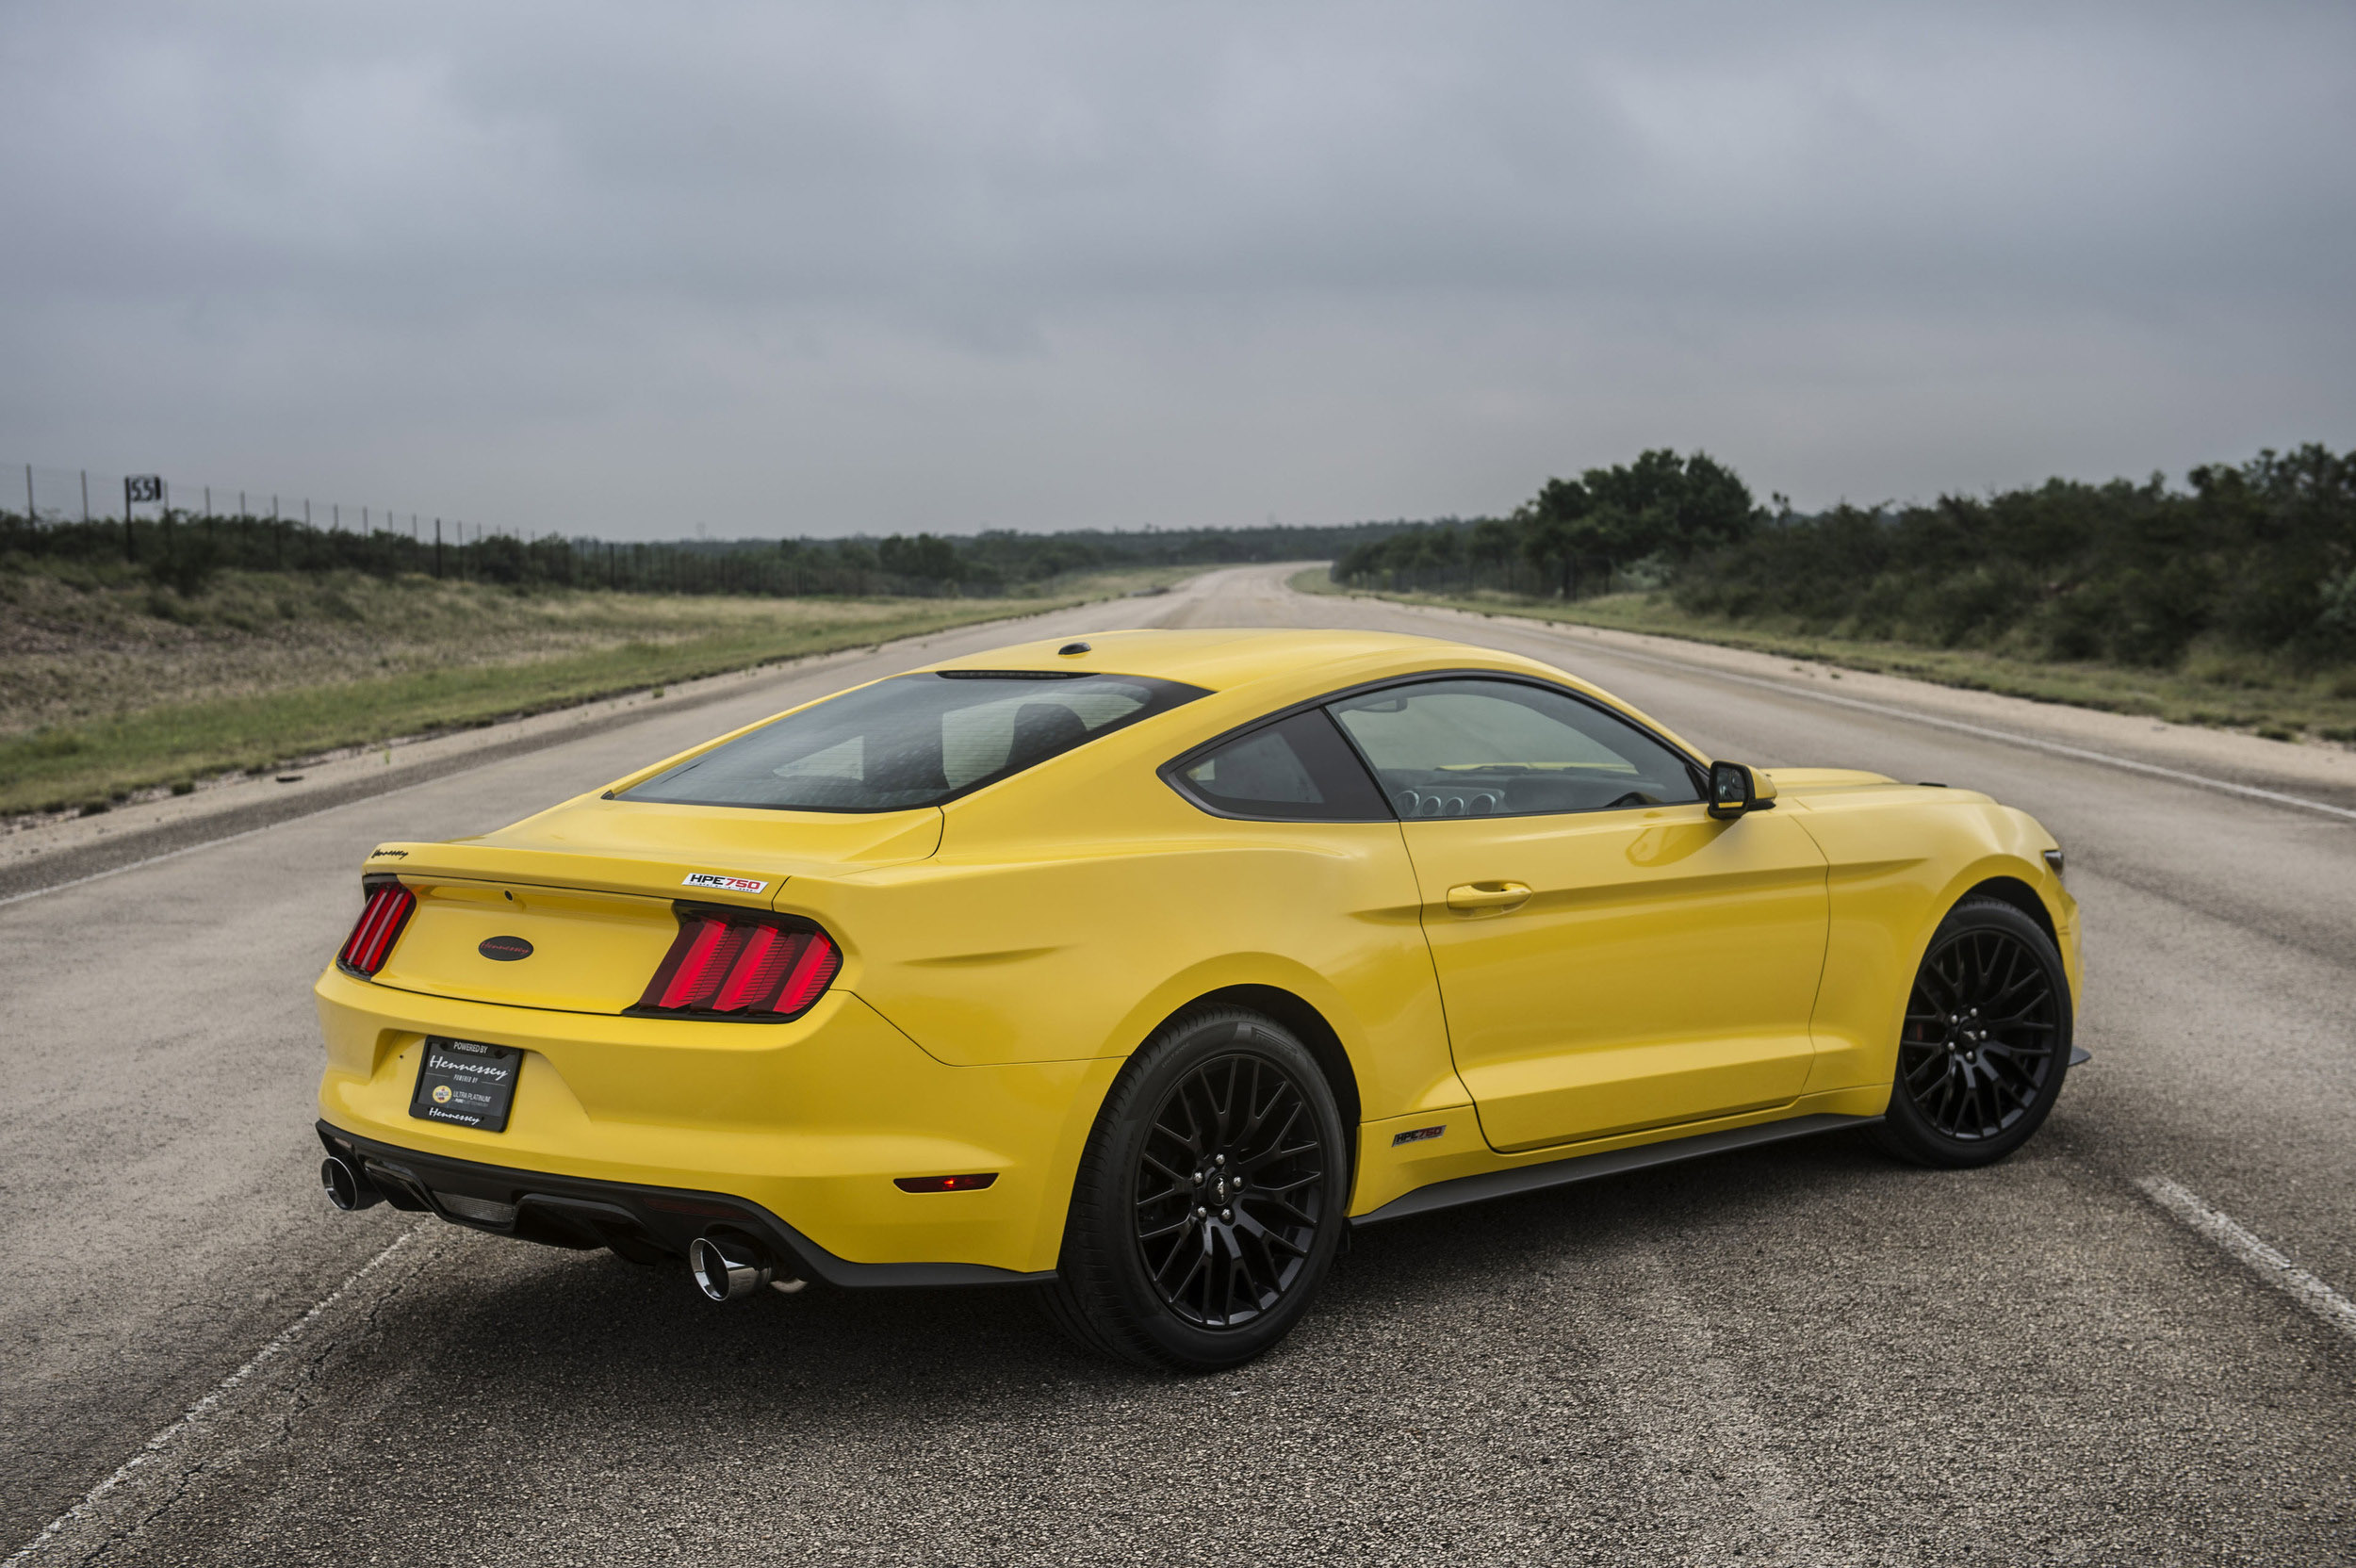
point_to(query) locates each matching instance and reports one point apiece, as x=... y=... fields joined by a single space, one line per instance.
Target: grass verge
x=2279 y=703
x=243 y=694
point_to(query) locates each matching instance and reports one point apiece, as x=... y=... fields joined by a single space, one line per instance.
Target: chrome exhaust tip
x=726 y=1269
x=346 y=1187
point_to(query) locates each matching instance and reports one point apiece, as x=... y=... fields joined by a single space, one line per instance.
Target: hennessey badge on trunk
x=505 y=949
x=713 y=880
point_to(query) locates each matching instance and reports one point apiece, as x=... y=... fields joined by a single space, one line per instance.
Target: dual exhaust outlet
x=347 y=1188
x=729 y=1268
x=725 y=1267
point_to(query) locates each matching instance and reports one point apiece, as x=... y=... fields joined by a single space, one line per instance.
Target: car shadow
x=547 y=1316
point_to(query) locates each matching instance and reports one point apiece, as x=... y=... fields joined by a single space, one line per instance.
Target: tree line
x=182 y=550
x=2259 y=556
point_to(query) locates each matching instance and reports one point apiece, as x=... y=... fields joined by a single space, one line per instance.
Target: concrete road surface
x=1802 y=1354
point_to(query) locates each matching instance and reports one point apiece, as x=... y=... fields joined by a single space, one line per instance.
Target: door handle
x=1487 y=898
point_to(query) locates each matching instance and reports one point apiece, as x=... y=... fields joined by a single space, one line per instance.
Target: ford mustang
x=1137 y=970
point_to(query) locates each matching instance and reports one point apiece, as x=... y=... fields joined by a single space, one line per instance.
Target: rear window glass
x=916 y=740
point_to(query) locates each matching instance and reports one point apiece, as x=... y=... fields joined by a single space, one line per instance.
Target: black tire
x=1986 y=1041
x=1162 y=1265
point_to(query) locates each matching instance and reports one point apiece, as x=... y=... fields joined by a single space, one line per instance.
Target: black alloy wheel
x=1985 y=1042
x=1210 y=1201
x=1229 y=1191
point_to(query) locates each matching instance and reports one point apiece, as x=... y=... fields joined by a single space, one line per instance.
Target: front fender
x=1899 y=862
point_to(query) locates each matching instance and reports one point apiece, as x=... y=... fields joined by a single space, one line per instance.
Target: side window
x=1474 y=747
x=1298 y=769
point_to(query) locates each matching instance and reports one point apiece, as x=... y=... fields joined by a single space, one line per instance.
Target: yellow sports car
x=1136 y=968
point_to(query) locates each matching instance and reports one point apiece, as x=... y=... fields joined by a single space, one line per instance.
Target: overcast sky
x=875 y=267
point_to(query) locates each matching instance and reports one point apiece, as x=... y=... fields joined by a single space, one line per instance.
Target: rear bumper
x=572 y=1211
x=805 y=1125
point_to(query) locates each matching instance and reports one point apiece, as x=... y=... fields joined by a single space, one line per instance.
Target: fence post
x=29 y=513
x=437 y=545
x=130 y=543
x=85 y=495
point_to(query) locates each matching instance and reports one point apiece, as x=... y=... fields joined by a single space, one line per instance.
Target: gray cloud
x=880 y=267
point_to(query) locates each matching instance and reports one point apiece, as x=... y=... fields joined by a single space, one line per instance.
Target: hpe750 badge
x=730 y=884
x=467 y=1084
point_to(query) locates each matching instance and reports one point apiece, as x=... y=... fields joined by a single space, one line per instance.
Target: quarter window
x=1298 y=769
x=1474 y=747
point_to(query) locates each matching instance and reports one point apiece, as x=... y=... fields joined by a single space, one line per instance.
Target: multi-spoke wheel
x=1210 y=1201
x=1230 y=1185
x=1986 y=1040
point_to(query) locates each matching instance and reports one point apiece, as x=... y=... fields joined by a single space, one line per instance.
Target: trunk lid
x=573 y=910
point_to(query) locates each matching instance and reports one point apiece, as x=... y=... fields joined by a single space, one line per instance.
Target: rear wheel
x=1210 y=1201
x=1986 y=1041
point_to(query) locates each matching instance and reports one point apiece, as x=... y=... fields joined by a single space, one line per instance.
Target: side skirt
x=1586 y=1168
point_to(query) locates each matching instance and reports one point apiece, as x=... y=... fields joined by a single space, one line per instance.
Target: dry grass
x=109 y=687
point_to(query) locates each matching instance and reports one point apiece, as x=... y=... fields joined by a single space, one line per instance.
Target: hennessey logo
x=505 y=949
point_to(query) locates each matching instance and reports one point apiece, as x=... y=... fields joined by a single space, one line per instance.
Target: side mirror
x=1735 y=788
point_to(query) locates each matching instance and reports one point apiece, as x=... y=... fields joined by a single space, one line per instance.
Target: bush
x=2262 y=556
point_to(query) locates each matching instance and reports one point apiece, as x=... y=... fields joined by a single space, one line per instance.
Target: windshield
x=916 y=740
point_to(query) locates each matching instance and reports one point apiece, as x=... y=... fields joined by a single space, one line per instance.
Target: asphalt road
x=1802 y=1354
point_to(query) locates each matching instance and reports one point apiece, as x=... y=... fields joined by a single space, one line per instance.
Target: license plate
x=465 y=1082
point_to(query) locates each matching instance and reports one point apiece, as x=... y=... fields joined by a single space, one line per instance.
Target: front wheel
x=1986 y=1041
x=1210 y=1201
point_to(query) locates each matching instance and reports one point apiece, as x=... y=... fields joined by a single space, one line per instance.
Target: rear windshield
x=916 y=740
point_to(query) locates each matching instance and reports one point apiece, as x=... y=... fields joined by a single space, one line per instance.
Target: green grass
x=78 y=689
x=2212 y=688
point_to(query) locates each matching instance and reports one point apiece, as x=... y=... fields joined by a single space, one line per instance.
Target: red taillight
x=379 y=926
x=742 y=966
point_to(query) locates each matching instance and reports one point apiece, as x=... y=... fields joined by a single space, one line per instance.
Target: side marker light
x=945 y=1184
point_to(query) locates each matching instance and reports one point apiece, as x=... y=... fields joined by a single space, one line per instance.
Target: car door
x=1611 y=957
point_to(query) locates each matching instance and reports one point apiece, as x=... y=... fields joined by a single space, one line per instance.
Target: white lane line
x=2269 y=1265
x=2058 y=748
x=284 y=1339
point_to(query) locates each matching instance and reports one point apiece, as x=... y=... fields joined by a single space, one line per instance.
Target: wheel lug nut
x=1226 y=1213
